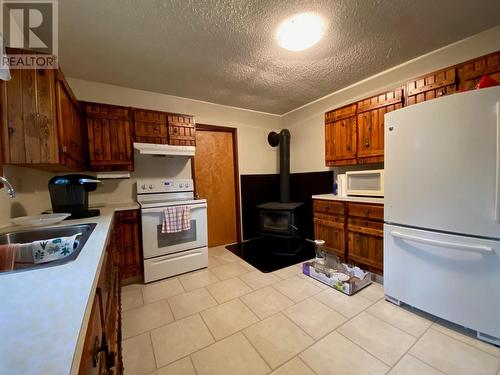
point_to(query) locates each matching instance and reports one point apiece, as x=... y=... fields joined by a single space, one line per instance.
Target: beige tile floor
x=233 y=319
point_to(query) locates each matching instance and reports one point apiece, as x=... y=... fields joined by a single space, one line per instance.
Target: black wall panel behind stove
x=262 y=188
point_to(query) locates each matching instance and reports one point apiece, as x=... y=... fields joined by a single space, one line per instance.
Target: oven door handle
x=160 y=209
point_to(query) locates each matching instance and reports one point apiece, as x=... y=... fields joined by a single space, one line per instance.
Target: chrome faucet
x=8 y=186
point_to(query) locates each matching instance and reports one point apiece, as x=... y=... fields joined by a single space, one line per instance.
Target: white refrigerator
x=442 y=209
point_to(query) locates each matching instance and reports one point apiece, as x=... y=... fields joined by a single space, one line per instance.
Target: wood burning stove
x=280 y=219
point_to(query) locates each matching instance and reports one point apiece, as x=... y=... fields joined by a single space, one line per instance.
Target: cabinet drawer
x=366 y=211
x=365 y=226
x=328 y=207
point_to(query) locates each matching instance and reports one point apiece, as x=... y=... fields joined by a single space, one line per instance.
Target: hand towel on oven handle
x=176 y=219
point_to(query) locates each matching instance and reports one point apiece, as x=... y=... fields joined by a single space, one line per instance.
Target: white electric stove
x=169 y=254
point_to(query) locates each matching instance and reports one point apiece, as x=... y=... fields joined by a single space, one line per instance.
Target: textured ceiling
x=225 y=52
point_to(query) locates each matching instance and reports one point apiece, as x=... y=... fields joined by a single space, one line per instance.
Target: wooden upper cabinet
x=41 y=122
x=341 y=136
x=29 y=124
x=181 y=130
x=431 y=86
x=150 y=126
x=71 y=128
x=470 y=72
x=109 y=130
x=370 y=119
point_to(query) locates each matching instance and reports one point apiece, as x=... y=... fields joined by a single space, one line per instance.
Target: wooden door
x=371 y=113
x=331 y=230
x=433 y=85
x=72 y=134
x=340 y=136
x=110 y=137
x=181 y=130
x=216 y=180
x=150 y=126
x=329 y=225
x=470 y=72
x=365 y=243
x=127 y=243
x=90 y=363
x=28 y=117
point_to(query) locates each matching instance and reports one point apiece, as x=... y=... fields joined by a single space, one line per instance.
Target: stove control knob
x=143 y=187
x=150 y=187
x=181 y=185
x=187 y=185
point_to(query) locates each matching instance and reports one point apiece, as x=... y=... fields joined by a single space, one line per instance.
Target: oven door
x=155 y=243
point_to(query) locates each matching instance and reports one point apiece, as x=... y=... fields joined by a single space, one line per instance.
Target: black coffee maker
x=69 y=194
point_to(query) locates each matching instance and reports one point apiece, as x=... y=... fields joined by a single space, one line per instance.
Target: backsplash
x=32 y=195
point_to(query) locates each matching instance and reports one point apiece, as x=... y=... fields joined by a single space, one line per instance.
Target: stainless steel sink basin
x=39 y=234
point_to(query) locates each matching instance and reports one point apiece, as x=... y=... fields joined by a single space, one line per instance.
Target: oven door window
x=155 y=243
x=170 y=239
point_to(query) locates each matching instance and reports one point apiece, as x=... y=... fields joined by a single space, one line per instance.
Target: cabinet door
x=90 y=364
x=340 y=136
x=128 y=245
x=434 y=85
x=28 y=118
x=331 y=229
x=72 y=135
x=470 y=73
x=371 y=113
x=181 y=130
x=365 y=243
x=150 y=126
x=110 y=137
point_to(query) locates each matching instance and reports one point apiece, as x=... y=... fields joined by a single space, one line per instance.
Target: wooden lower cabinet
x=353 y=231
x=365 y=243
x=90 y=363
x=128 y=243
x=102 y=346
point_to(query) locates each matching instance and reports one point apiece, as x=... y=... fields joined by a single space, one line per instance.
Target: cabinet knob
x=367 y=212
x=349 y=147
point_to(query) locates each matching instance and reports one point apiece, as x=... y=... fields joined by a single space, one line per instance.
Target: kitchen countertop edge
x=331 y=197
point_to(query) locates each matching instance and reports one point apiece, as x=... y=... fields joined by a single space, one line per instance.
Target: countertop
x=332 y=197
x=44 y=313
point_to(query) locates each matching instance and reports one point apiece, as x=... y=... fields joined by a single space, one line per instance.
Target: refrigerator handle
x=452 y=245
x=497 y=177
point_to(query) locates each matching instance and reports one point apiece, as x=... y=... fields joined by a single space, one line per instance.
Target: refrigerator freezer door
x=441 y=164
x=456 y=278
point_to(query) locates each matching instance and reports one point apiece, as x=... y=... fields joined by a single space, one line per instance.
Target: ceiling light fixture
x=301 y=31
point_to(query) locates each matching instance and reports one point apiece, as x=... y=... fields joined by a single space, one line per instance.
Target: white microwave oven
x=365 y=183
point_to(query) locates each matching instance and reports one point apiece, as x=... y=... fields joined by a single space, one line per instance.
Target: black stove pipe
x=283 y=140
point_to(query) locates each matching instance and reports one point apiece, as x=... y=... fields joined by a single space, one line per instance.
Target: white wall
x=306 y=124
x=32 y=195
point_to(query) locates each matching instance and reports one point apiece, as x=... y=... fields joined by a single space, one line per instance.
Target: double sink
x=39 y=234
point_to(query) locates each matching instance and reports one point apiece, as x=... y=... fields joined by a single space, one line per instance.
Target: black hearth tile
x=271 y=254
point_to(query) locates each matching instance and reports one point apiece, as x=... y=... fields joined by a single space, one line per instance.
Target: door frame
x=234 y=133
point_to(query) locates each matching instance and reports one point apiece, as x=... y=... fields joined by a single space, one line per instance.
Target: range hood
x=159 y=149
